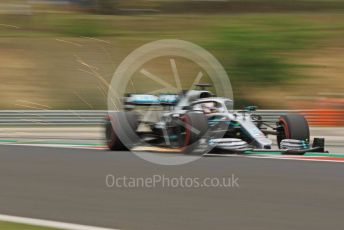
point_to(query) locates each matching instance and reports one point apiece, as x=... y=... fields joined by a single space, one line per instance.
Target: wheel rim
x=283 y=134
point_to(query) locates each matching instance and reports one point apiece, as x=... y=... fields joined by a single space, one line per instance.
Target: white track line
x=48 y=223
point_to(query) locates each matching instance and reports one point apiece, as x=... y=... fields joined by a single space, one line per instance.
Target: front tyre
x=120 y=130
x=195 y=126
x=292 y=126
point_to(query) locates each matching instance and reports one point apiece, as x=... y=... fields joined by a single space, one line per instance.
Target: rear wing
x=150 y=99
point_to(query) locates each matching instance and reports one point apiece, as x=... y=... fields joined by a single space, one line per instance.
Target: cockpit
x=213 y=106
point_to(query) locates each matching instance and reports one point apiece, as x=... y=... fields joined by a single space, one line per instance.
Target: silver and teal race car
x=198 y=122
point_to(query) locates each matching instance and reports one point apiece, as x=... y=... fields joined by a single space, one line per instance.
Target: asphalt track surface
x=69 y=185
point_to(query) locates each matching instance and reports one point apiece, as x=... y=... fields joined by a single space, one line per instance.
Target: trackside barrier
x=328 y=117
x=51 y=117
x=325 y=117
x=321 y=117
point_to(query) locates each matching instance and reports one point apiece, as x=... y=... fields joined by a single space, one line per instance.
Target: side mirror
x=187 y=107
x=251 y=108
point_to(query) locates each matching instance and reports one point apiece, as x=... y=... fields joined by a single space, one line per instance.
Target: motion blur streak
x=278 y=54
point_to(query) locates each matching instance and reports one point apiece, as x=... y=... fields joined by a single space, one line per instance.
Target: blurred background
x=60 y=54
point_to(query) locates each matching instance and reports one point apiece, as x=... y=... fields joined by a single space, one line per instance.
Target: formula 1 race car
x=196 y=121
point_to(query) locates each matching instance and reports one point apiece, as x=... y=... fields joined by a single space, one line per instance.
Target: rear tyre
x=195 y=126
x=292 y=126
x=120 y=130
